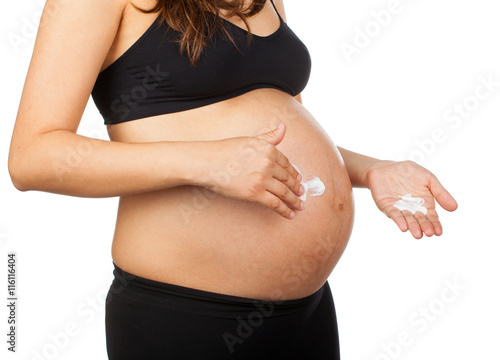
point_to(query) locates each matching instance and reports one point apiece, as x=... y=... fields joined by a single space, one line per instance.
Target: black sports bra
x=152 y=78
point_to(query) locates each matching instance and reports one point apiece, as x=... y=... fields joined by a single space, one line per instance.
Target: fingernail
x=299 y=177
x=302 y=204
x=292 y=215
x=301 y=190
x=280 y=125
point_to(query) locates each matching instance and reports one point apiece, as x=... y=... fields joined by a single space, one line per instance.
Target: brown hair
x=195 y=20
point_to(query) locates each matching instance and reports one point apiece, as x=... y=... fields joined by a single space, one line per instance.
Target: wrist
x=371 y=167
x=191 y=162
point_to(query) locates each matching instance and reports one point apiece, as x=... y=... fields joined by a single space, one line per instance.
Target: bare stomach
x=190 y=236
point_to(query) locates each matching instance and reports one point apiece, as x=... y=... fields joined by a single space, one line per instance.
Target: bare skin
x=208 y=196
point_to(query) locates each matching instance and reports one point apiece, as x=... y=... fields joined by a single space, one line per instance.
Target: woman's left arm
x=388 y=180
x=357 y=166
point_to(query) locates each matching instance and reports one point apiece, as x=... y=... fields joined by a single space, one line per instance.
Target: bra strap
x=274 y=6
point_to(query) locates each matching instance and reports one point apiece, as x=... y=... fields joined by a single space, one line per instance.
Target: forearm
x=66 y=163
x=357 y=166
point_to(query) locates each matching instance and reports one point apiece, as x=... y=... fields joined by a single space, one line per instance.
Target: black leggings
x=151 y=320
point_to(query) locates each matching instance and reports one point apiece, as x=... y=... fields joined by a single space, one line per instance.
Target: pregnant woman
x=216 y=256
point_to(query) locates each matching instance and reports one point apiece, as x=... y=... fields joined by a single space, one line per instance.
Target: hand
x=253 y=169
x=387 y=180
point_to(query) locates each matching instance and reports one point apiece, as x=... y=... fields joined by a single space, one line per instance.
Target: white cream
x=410 y=203
x=313 y=187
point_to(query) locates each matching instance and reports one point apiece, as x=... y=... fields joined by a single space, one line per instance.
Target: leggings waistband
x=148 y=319
x=138 y=287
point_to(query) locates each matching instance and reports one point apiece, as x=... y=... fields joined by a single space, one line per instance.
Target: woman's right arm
x=46 y=154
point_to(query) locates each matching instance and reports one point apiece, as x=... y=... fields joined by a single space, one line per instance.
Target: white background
x=383 y=101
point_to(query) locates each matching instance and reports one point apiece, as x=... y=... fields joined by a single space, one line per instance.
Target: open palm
x=388 y=180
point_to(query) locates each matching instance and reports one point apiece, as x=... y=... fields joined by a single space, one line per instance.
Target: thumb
x=442 y=195
x=274 y=136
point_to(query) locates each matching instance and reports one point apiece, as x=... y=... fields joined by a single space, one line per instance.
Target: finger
x=425 y=224
x=432 y=216
x=284 y=176
x=413 y=224
x=442 y=195
x=283 y=192
x=283 y=161
x=274 y=203
x=398 y=218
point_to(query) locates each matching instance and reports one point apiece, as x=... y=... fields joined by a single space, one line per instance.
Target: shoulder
x=53 y=5
x=281 y=8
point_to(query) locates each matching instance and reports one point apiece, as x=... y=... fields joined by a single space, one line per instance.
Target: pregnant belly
x=193 y=237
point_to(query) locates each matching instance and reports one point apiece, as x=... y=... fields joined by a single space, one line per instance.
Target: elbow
x=19 y=170
x=17 y=175
x=32 y=167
